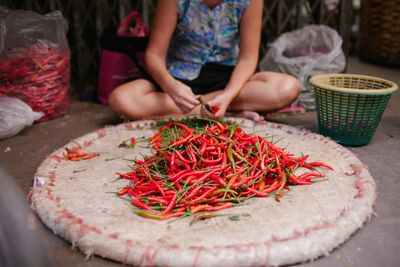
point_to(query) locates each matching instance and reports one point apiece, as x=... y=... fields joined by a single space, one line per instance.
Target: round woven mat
x=76 y=200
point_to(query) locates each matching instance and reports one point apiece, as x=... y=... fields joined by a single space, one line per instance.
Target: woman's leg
x=139 y=99
x=266 y=92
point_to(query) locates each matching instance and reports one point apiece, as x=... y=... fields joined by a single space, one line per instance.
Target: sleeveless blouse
x=204 y=34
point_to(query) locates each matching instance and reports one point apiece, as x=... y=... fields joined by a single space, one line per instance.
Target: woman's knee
x=117 y=99
x=123 y=99
x=286 y=87
x=290 y=88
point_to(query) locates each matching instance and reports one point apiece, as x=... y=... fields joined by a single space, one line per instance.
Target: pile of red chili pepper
x=38 y=75
x=209 y=167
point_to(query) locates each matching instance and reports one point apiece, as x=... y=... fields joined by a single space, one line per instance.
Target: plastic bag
x=122 y=55
x=312 y=50
x=35 y=60
x=15 y=115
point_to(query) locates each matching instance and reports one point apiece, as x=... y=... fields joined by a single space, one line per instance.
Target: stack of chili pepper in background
x=40 y=76
x=210 y=166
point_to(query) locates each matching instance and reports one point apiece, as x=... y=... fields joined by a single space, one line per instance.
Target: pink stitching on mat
x=267 y=244
x=57 y=158
x=128 y=245
x=148 y=256
x=101 y=133
x=113 y=235
x=197 y=257
x=358 y=168
x=87 y=143
x=49 y=192
x=359 y=183
x=254 y=246
x=360 y=188
x=128 y=125
x=85 y=229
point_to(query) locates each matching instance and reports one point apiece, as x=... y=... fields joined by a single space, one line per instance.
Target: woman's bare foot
x=248 y=114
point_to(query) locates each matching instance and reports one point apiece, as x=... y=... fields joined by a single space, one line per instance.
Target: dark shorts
x=212 y=77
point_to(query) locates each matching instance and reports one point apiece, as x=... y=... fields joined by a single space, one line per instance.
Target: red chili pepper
x=170 y=205
x=172 y=215
x=183 y=176
x=124 y=191
x=184 y=140
x=232 y=180
x=194 y=192
x=158 y=186
x=320 y=164
x=226 y=205
x=181 y=157
x=218 y=179
x=74 y=155
x=157 y=199
x=308 y=174
x=155 y=138
x=210 y=161
x=140 y=205
x=203 y=148
x=257 y=192
x=208 y=167
x=296 y=180
x=204 y=195
x=215 y=109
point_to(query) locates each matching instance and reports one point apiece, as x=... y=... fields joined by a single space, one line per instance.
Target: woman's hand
x=183 y=96
x=220 y=103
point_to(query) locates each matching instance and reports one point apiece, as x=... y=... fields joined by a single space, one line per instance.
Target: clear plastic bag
x=35 y=60
x=312 y=50
x=15 y=115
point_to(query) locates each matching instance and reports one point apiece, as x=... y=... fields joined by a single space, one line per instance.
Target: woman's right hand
x=183 y=96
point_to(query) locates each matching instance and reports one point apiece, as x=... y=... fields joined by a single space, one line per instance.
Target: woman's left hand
x=220 y=103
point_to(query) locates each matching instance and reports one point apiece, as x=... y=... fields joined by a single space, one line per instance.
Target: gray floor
x=376 y=244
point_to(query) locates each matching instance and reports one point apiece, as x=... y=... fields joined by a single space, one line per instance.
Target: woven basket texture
x=351 y=114
x=379 y=35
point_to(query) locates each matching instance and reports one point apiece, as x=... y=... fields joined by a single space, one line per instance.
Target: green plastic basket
x=349 y=106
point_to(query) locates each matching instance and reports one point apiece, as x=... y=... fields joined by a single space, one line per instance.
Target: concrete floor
x=376 y=244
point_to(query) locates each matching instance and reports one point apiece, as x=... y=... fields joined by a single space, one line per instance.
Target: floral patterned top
x=204 y=34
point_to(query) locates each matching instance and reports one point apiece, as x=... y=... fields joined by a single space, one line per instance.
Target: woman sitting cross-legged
x=204 y=50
